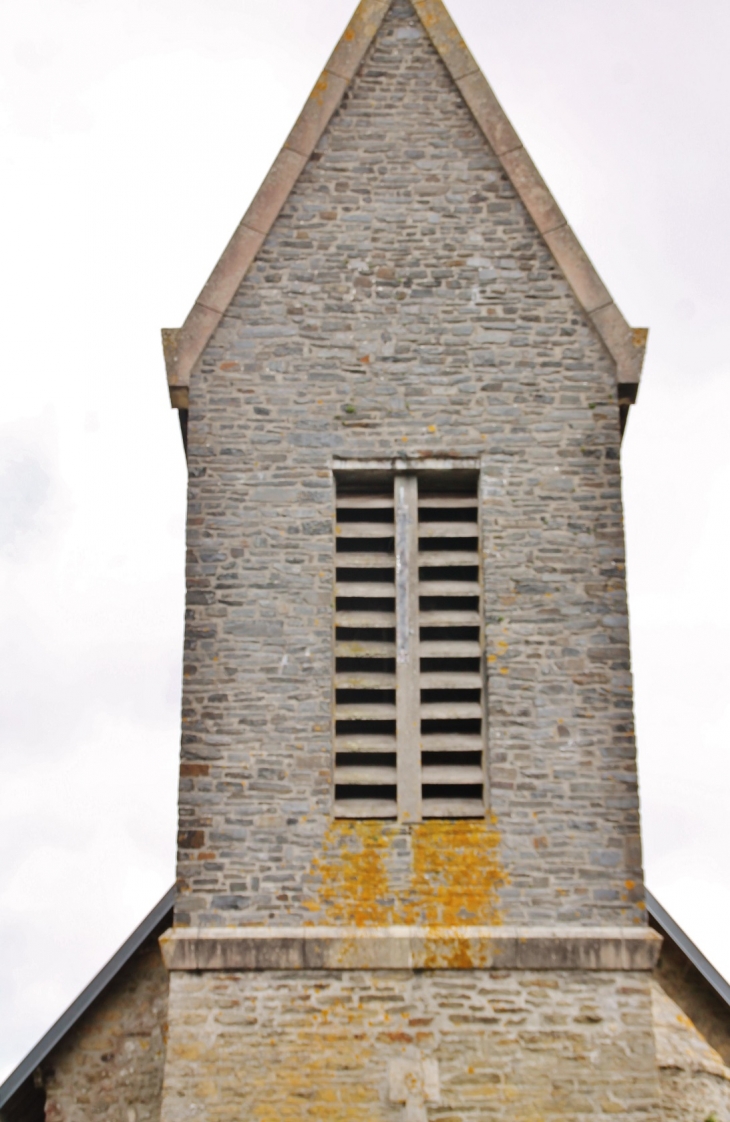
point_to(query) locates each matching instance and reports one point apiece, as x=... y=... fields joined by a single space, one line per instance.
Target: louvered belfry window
x=409 y=645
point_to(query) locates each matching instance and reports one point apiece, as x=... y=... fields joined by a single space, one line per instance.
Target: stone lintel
x=411 y=948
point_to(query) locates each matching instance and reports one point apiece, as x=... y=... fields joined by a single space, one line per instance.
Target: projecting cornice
x=411 y=948
x=183 y=346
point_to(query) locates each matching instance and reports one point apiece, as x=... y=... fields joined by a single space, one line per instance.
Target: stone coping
x=411 y=948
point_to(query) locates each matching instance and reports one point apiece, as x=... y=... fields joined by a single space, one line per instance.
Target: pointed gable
x=184 y=346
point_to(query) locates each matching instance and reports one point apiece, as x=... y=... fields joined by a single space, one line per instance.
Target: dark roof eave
x=688 y=948
x=75 y=1011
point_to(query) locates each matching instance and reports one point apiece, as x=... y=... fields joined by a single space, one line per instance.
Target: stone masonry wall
x=404 y=304
x=693 y=1096
x=693 y=1080
x=492 y=1046
x=110 y=1065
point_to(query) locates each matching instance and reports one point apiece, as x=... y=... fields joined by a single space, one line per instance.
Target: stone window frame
x=400 y=772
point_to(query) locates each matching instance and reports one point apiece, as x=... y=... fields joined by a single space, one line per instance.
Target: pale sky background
x=133 y=134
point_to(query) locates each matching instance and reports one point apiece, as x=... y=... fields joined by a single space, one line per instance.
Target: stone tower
x=410 y=879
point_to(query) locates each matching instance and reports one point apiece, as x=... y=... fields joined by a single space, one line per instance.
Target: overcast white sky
x=133 y=134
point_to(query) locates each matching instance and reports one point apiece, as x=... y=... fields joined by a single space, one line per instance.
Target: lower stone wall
x=693 y=1096
x=694 y=1080
x=110 y=1065
x=366 y=1046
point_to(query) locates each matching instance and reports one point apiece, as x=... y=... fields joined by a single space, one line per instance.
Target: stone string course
x=405 y=304
x=413 y=948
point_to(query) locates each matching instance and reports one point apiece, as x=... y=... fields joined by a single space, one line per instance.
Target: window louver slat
x=446 y=529
x=365 y=619
x=358 y=650
x=456 y=558
x=373 y=590
x=445 y=617
x=364 y=680
x=451 y=711
x=366 y=743
x=454 y=808
x=367 y=775
x=445 y=679
x=450 y=648
x=364 y=808
x=456 y=775
x=362 y=529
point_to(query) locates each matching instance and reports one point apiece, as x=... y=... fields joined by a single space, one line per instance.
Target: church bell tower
x=410 y=878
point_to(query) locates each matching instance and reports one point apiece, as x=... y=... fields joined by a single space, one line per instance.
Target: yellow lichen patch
x=439 y=873
x=320 y=89
x=456 y=873
x=449 y=951
x=354 y=878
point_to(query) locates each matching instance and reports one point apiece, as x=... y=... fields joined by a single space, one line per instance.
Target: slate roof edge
x=688 y=948
x=183 y=346
x=76 y=1010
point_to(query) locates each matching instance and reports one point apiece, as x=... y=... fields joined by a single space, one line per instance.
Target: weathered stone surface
x=446 y=37
x=490 y=1044
x=693 y=1096
x=544 y=211
x=349 y=52
x=404 y=303
x=700 y=1001
x=694 y=1081
x=110 y=1064
x=317 y=111
x=570 y=255
x=235 y=259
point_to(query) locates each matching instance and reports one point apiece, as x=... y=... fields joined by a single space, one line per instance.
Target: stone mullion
x=407 y=655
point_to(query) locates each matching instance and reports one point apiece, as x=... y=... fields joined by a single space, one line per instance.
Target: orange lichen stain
x=456 y=873
x=440 y=873
x=352 y=869
x=451 y=953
